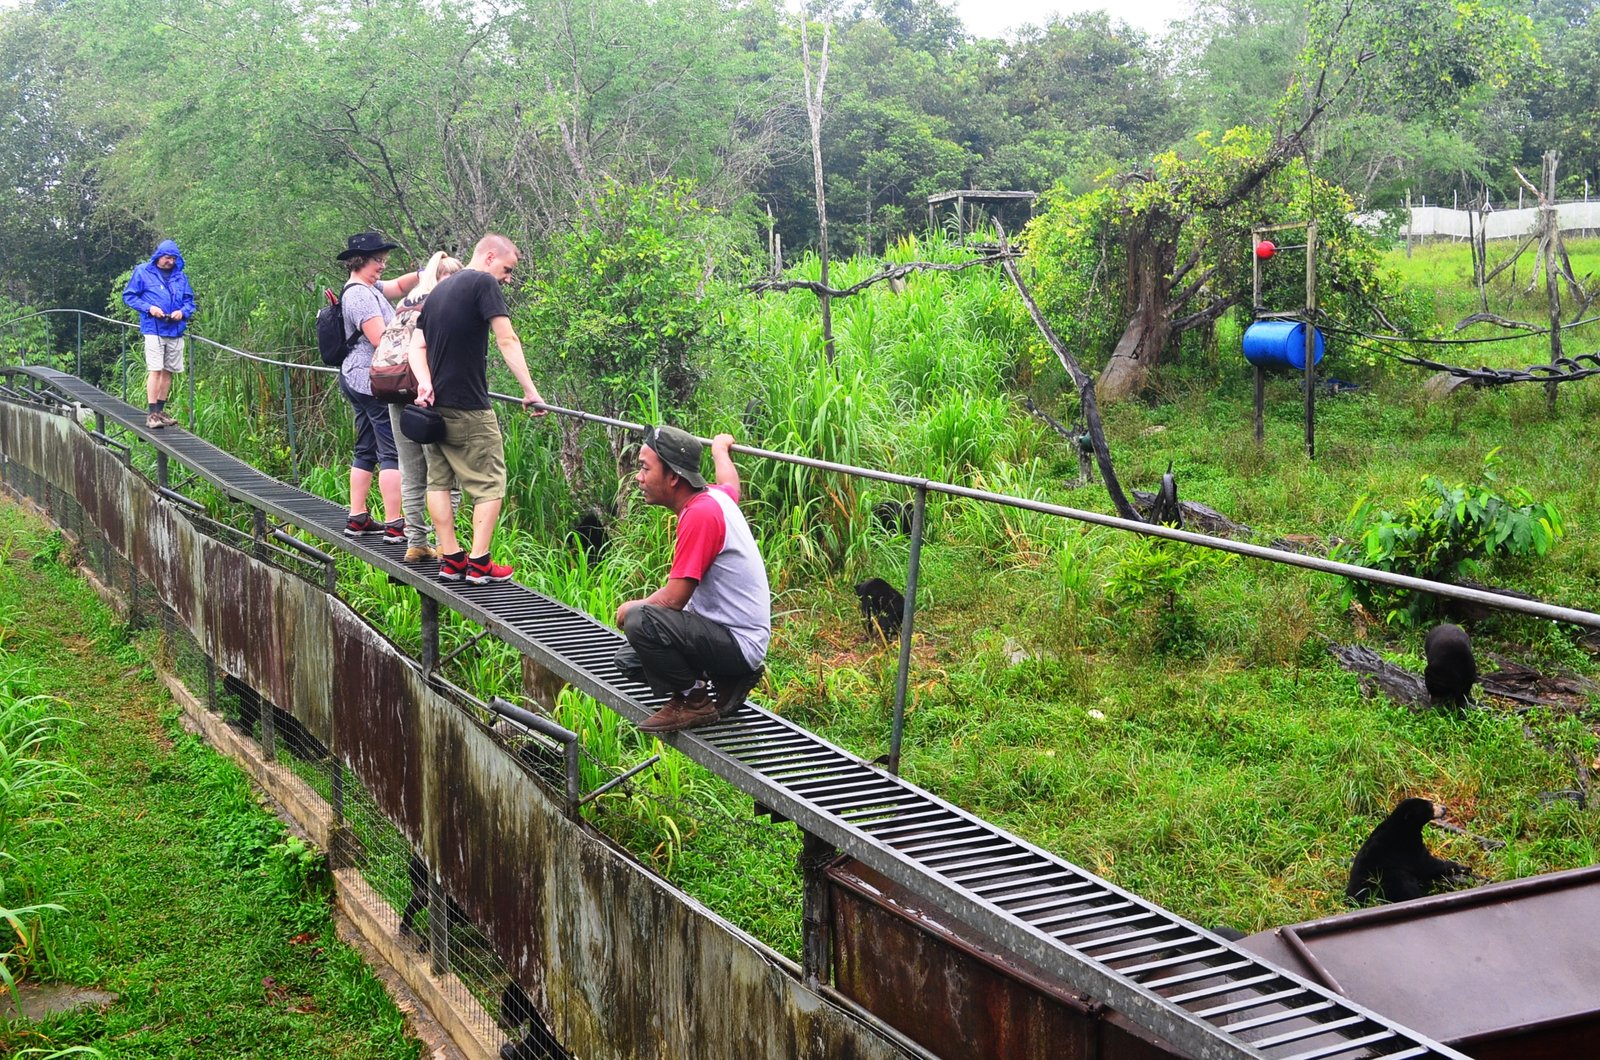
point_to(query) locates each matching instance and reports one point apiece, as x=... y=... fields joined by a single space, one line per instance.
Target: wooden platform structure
x=977 y=197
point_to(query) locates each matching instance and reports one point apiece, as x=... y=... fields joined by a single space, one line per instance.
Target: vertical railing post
x=133 y=594
x=269 y=728
x=430 y=636
x=189 y=372
x=1311 y=341
x=574 y=779
x=211 y=681
x=816 y=918
x=163 y=473
x=907 y=619
x=288 y=415
x=124 y=362
x=79 y=318
x=438 y=926
x=258 y=519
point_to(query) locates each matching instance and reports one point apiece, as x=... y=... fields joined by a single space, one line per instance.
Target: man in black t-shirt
x=450 y=356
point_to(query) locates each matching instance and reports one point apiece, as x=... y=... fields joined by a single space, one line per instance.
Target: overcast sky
x=992 y=18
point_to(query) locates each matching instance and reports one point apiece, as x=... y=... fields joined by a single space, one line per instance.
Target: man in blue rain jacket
x=159 y=291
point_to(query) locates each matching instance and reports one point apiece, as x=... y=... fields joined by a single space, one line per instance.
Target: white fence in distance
x=1443 y=222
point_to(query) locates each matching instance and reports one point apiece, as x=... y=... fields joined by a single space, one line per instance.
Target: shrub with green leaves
x=629 y=291
x=1151 y=579
x=1453 y=531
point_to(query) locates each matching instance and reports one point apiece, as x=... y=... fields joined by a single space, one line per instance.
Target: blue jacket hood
x=168 y=247
x=149 y=286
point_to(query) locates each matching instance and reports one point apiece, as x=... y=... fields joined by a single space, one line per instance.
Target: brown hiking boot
x=682 y=712
x=154 y=420
x=730 y=692
x=420 y=554
x=167 y=419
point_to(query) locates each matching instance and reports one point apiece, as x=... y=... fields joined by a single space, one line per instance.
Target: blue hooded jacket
x=149 y=286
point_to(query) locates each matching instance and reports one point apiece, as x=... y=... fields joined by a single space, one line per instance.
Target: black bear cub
x=1451 y=669
x=882 y=607
x=1393 y=864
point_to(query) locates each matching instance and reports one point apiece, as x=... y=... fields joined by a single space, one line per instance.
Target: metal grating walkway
x=1192 y=988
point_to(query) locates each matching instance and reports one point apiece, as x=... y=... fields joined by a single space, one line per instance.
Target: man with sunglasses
x=702 y=637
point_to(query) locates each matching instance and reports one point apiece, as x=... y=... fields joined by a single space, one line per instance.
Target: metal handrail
x=1535 y=608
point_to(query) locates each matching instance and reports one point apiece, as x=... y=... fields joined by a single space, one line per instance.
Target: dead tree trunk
x=1152 y=253
x=814 y=115
x=1086 y=386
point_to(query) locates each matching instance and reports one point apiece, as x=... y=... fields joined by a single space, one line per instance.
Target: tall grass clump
x=918 y=386
x=32 y=786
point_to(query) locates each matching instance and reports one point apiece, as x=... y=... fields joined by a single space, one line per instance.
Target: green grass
x=180 y=893
x=1441 y=274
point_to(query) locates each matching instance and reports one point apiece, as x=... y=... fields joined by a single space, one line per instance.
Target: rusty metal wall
x=919 y=970
x=624 y=965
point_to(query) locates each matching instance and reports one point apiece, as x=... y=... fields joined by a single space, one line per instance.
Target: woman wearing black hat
x=367 y=312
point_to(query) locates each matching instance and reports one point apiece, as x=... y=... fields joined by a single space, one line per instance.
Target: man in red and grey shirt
x=710 y=623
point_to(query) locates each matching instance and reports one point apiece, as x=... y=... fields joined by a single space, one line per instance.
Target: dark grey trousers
x=671 y=650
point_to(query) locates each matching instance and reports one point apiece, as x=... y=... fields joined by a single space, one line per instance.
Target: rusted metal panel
x=946 y=987
x=378 y=727
x=1507 y=970
x=167 y=551
x=37 y=440
x=304 y=623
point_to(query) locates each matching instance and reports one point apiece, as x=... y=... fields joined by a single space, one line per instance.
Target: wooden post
x=1255 y=306
x=961 y=217
x=1311 y=341
x=1261 y=403
x=1552 y=265
x=1408 y=223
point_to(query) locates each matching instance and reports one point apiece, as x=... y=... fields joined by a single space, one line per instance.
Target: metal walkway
x=1193 y=989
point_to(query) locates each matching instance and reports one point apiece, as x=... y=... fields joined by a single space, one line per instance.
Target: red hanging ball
x=1265 y=249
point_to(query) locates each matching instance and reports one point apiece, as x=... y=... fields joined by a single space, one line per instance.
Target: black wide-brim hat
x=365 y=243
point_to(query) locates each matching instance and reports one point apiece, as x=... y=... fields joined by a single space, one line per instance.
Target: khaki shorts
x=162 y=354
x=474 y=455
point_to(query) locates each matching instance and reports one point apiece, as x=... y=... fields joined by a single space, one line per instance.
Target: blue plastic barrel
x=1279 y=344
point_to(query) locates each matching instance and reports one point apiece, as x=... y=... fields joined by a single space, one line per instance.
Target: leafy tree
x=1162 y=222
x=626 y=303
x=1562 y=104
x=61 y=239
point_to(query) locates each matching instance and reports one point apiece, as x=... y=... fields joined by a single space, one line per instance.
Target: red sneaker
x=453 y=568
x=485 y=570
x=362 y=524
x=395 y=531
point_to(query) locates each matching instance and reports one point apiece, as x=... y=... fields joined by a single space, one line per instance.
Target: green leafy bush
x=629 y=292
x=1151 y=579
x=1455 y=530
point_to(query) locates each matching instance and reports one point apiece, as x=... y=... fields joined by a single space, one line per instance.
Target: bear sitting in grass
x=1393 y=864
x=1452 y=669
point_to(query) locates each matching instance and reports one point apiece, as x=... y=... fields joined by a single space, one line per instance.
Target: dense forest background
x=260 y=133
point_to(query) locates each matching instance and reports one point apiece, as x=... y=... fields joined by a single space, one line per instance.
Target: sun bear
x=1393 y=864
x=1451 y=669
x=882 y=607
